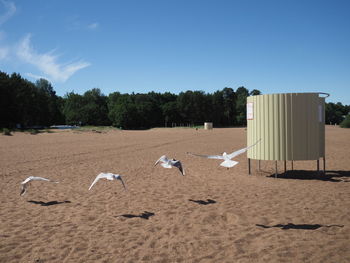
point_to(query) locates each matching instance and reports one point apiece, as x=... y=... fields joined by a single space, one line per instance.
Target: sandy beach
x=212 y=214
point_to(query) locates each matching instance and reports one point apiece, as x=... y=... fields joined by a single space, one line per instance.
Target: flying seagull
x=108 y=176
x=32 y=178
x=227 y=157
x=169 y=163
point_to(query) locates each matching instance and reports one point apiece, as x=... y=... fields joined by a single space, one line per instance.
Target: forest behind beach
x=25 y=104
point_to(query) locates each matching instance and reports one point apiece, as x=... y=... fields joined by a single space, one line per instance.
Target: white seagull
x=227 y=157
x=32 y=178
x=108 y=176
x=169 y=163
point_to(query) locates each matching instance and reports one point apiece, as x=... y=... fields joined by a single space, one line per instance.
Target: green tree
x=346 y=122
x=124 y=112
x=221 y=111
x=170 y=113
x=229 y=97
x=148 y=109
x=72 y=108
x=27 y=104
x=49 y=103
x=111 y=103
x=88 y=109
x=7 y=107
x=169 y=109
x=242 y=93
x=335 y=113
x=95 y=109
x=255 y=92
x=27 y=101
x=193 y=106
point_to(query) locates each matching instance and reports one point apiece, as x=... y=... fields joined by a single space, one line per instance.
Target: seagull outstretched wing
x=24 y=189
x=108 y=176
x=169 y=163
x=98 y=177
x=32 y=178
x=120 y=178
x=238 y=152
x=162 y=159
x=35 y=178
x=178 y=165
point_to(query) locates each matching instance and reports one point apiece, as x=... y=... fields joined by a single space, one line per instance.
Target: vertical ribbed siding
x=299 y=127
x=288 y=129
x=321 y=102
x=282 y=122
x=288 y=125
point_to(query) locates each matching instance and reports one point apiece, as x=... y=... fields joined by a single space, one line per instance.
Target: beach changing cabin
x=291 y=127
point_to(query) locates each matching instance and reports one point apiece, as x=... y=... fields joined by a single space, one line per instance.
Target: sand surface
x=210 y=215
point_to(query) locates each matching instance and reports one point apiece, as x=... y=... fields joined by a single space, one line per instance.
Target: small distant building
x=208 y=126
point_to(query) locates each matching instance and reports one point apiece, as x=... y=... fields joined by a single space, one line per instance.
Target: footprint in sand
x=223 y=218
x=230 y=218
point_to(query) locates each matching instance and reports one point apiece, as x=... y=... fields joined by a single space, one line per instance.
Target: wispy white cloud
x=10 y=10
x=4 y=51
x=47 y=62
x=93 y=26
x=76 y=23
x=33 y=76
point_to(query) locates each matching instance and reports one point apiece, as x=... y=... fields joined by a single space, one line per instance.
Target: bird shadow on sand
x=203 y=202
x=329 y=176
x=49 y=203
x=145 y=215
x=298 y=226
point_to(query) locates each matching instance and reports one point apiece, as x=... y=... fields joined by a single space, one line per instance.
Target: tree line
x=36 y=104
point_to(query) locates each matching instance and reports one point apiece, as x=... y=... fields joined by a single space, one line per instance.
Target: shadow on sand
x=298 y=226
x=48 y=203
x=145 y=215
x=203 y=202
x=330 y=176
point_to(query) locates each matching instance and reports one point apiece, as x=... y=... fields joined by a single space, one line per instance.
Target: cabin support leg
x=276 y=169
x=249 y=166
x=324 y=165
x=285 y=167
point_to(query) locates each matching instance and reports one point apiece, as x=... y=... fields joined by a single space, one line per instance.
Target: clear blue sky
x=174 y=45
